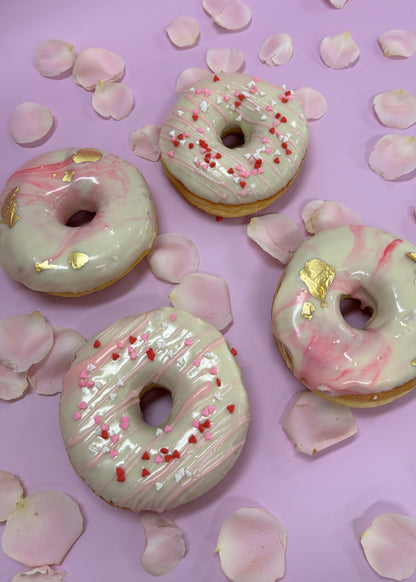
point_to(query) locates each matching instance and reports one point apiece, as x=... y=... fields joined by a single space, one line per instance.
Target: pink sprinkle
x=203 y=150
x=236 y=93
x=205 y=167
x=208 y=436
x=254 y=172
x=213 y=370
x=113 y=453
x=120 y=345
x=196 y=361
x=114 y=437
x=82 y=383
x=77 y=416
x=226 y=97
x=264 y=140
x=195 y=423
x=238 y=167
x=244 y=174
x=170 y=153
x=90 y=384
x=168 y=428
x=82 y=405
x=200 y=130
x=83 y=374
x=269 y=108
x=173 y=317
x=211 y=409
x=132 y=353
x=158 y=459
x=198 y=91
x=97 y=419
x=268 y=150
x=104 y=427
x=207 y=92
x=124 y=422
x=276 y=122
x=205 y=412
x=261 y=171
x=197 y=163
x=187 y=134
x=188 y=341
x=144 y=336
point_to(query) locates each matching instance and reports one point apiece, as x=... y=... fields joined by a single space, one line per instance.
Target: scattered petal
x=46 y=376
x=252 y=545
x=213 y=7
x=41 y=574
x=313 y=102
x=276 y=50
x=144 y=142
x=183 y=31
x=24 y=340
x=396 y=108
x=42 y=528
x=112 y=100
x=53 y=57
x=321 y=215
x=97 y=64
x=164 y=544
x=30 y=122
x=12 y=384
x=189 y=77
x=229 y=14
x=173 y=257
x=389 y=545
x=394 y=156
x=225 y=60
x=276 y=234
x=205 y=296
x=398 y=43
x=338 y=3
x=340 y=51
x=11 y=492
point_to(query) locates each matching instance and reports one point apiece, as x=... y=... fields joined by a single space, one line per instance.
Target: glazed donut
x=128 y=462
x=269 y=126
x=38 y=245
x=357 y=367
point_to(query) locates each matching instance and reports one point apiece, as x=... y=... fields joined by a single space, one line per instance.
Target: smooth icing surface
x=327 y=354
x=122 y=458
x=37 y=247
x=275 y=139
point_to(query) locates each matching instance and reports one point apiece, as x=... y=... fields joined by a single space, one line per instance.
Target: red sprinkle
x=218 y=218
x=145 y=456
x=216 y=78
x=176 y=143
x=278 y=115
x=231 y=171
x=180 y=136
x=230 y=408
x=218 y=155
x=237 y=103
x=288 y=93
x=192 y=439
x=233 y=351
x=115 y=356
x=218 y=381
x=284 y=99
x=164 y=450
x=168 y=458
x=283 y=120
x=145 y=473
x=284 y=145
x=190 y=146
x=203 y=144
x=150 y=354
x=242 y=184
x=201 y=428
x=241 y=97
x=195 y=117
x=276 y=161
x=272 y=130
x=257 y=163
x=120 y=474
x=288 y=152
x=132 y=339
x=176 y=454
x=207 y=424
x=212 y=164
x=104 y=434
x=97 y=344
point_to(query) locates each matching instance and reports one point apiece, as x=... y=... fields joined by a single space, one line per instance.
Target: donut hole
x=80 y=218
x=155 y=404
x=233 y=137
x=355 y=313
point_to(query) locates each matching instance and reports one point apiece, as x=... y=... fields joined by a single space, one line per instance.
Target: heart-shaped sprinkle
x=145 y=473
x=114 y=438
x=213 y=370
x=115 y=356
x=132 y=339
x=208 y=436
x=158 y=486
x=145 y=456
x=195 y=423
x=97 y=419
x=82 y=383
x=77 y=415
x=192 y=439
x=144 y=336
x=168 y=428
x=82 y=405
x=83 y=375
x=158 y=459
x=113 y=453
x=196 y=361
x=230 y=408
x=97 y=344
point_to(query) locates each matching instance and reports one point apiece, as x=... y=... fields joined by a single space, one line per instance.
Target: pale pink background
x=327 y=501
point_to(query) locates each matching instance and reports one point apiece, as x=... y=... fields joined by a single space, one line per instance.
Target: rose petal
x=42 y=528
x=12 y=384
x=30 y=122
x=398 y=43
x=313 y=102
x=340 y=51
x=338 y=3
x=97 y=64
x=53 y=57
x=390 y=545
x=144 y=142
x=164 y=544
x=46 y=376
x=189 y=77
x=276 y=234
x=183 y=31
x=234 y=16
x=173 y=257
x=225 y=60
x=112 y=100
x=24 y=340
x=394 y=156
x=314 y=424
x=396 y=108
x=213 y=7
x=205 y=296
x=251 y=546
x=11 y=492
x=276 y=50
x=321 y=215
x=41 y=574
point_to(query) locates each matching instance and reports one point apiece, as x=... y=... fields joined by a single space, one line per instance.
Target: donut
x=357 y=367
x=41 y=248
x=233 y=144
x=125 y=460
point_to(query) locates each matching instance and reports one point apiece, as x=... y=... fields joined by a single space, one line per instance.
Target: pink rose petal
x=314 y=424
x=321 y=215
x=340 y=51
x=398 y=43
x=313 y=102
x=42 y=528
x=97 y=64
x=53 y=57
x=338 y=3
x=225 y=60
x=164 y=544
x=183 y=31
x=205 y=296
x=46 y=376
x=30 y=122
x=229 y=14
x=189 y=77
x=276 y=50
x=12 y=384
x=276 y=234
x=395 y=108
x=173 y=257
x=213 y=7
x=252 y=545
x=112 y=100
x=11 y=492
x=144 y=142
x=389 y=545
x=41 y=574
x=24 y=340
x=394 y=156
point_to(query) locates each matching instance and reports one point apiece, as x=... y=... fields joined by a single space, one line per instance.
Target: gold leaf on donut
x=411 y=256
x=317 y=277
x=413 y=362
x=9 y=209
x=87 y=155
x=307 y=310
x=44 y=266
x=68 y=176
x=77 y=260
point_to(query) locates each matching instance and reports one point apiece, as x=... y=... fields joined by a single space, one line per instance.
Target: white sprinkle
x=209 y=355
x=172 y=133
x=188 y=473
x=250 y=84
x=158 y=486
x=257 y=108
x=228 y=87
x=247 y=156
x=180 y=112
x=273 y=102
x=219 y=100
x=170 y=353
x=98 y=430
x=180 y=475
x=203 y=106
x=98 y=385
x=181 y=360
x=105 y=449
x=263 y=116
x=119 y=382
x=218 y=395
x=113 y=396
x=91 y=367
x=238 y=118
x=245 y=93
x=164 y=324
x=262 y=93
x=161 y=344
x=159 y=431
x=375 y=397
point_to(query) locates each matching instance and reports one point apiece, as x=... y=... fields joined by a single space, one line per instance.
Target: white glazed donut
x=358 y=367
x=227 y=181
x=37 y=247
x=123 y=459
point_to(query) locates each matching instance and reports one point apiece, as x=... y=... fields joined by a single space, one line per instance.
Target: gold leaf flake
x=307 y=310
x=318 y=277
x=68 y=176
x=77 y=260
x=87 y=155
x=411 y=256
x=9 y=209
x=413 y=362
x=44 y=266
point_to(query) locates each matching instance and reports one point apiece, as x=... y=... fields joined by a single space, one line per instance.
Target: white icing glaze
x=191 y=359
x=40 y=251
x=193 y=152
x=329 y=355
